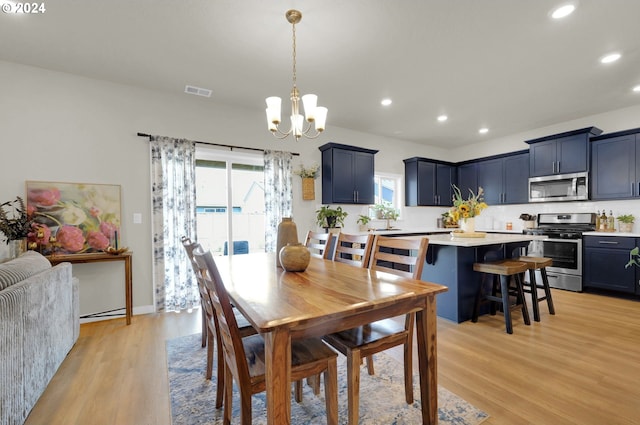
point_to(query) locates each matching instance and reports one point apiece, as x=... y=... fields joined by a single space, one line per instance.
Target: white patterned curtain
x=277 y=193
x=173 y=190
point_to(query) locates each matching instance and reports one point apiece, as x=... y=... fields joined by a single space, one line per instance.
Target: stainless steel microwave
x=559 y=188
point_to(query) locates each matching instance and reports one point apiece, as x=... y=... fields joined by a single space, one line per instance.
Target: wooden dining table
x=327 y=297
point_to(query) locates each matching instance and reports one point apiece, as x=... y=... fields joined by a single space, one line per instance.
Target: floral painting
x=72 y=218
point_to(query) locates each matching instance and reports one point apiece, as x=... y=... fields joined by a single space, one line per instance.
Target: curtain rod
x=231 y=147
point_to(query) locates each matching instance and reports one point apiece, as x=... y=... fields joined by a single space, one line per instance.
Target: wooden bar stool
x=501 y=273
x=538 y=263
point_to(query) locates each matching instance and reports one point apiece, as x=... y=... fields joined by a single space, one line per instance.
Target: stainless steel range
x=563 y=245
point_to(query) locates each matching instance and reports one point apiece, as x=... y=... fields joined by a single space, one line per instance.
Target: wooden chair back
x=189 y=247
x=319 y=244
x=353 y=249
x=400 y=256
x=227 y=325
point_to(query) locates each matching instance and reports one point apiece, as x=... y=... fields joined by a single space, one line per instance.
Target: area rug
x=381 y=401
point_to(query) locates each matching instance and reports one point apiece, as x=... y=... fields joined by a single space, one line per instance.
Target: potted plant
x=327 y=217
x=625 y=222
x=386 y=211
x=15 y=225
x=363 y=221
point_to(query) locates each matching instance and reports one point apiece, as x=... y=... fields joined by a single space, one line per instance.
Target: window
x=387 y=189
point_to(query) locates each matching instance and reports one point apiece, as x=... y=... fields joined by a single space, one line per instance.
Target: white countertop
x=618 y=234
x=488 y=239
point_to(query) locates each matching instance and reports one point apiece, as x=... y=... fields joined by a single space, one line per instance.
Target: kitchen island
x=450 y=261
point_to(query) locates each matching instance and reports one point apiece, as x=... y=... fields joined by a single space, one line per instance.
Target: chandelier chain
x=294 y=55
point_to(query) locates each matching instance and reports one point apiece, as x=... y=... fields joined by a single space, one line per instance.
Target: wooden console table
x=99 y=257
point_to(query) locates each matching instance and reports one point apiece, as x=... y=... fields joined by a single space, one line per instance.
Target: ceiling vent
x=197 y=91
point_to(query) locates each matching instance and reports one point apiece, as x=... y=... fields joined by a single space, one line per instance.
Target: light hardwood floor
x=581 y=366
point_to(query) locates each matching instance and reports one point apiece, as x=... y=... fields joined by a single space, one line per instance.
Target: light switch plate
x=137 y=218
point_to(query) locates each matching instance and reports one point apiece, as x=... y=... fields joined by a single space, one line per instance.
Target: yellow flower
x=465 y=208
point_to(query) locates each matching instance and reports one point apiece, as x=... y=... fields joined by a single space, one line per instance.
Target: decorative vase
x=468 y=225
x=294 y=257
x=17 y=247
x=308 y=189
x=287 y=233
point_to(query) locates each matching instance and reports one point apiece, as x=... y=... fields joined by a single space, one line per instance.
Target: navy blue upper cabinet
x=467 y=178
x=505 y=179
x=428 y=182
x=615 y=165
x=516 y=179
x=561 y=153
x=347 y=174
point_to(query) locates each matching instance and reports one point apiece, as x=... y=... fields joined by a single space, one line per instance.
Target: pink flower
x=44 y=197
x=94 y=211
x=40 y=234
x=30 y=210
x=70 y=238
x=108 y=229
x=97 y=240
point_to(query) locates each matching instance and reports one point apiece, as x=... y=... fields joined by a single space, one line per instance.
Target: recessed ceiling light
x=611 y=57
x=443 y=118
x=636 y=88
x=483 y=130
x=563 y=11
x=386 y=102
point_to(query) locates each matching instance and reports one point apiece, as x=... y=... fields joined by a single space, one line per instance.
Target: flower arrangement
x=14 y=224
x=307 y=173
x=470 y=207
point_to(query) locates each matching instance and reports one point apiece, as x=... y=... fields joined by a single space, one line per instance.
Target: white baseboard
x=120 y=313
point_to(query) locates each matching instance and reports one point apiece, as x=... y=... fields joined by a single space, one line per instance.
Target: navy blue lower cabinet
x=452 y=266
x=604 y=263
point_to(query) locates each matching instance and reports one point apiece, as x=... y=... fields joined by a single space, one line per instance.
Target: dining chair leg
x=370 y=369
x=245 y=404
x=228 y=395
x=314 y=383
x=331 y=391
x=220 y=384
x=408 y=362
x=353 y=387
x=298 y=391
x=209 y=346
x=205 y=328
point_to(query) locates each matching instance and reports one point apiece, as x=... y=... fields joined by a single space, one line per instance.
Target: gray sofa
x=39 y=324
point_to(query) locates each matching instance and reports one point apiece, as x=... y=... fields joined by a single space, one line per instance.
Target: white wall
x=61 y=127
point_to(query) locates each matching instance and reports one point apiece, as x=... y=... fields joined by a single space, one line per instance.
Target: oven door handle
x=561 y=240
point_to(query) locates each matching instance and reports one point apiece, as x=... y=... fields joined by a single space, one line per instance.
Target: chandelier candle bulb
x=310 y=102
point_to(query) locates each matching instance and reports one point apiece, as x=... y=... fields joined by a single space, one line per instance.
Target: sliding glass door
x=230 y=201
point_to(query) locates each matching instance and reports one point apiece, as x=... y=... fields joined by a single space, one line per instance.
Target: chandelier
x=313 y=113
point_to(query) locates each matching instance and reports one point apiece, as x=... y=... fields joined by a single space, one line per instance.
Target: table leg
x=278 y=376
x=128 y=288
x=426 y=328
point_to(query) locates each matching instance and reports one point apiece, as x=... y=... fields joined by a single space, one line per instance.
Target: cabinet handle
x=633 y=192
x=558 y=166
x=553 y=166
x=607 y=243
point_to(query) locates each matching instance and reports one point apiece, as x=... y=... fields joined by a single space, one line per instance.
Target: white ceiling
x=503 y=64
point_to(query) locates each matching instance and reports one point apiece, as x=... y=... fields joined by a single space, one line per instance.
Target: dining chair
x=244 y=357
x=189 y=246
x=353 y=249
x=403 y=257
x=213 y=334
x=319 y=244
